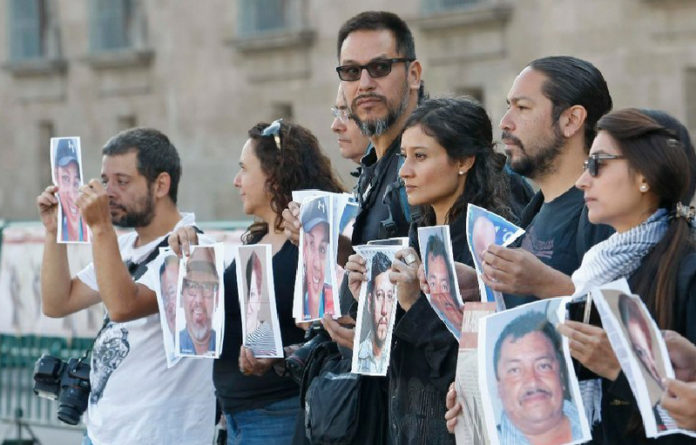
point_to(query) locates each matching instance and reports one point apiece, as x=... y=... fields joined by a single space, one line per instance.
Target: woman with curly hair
x=261 y=406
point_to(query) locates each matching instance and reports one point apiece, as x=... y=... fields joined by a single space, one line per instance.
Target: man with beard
x=553 y=107
x=134 y=397
x=380 y=301
x=199 y=296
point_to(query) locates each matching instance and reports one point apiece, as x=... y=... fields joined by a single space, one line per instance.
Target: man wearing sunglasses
x=381 y=80
x=553 y=107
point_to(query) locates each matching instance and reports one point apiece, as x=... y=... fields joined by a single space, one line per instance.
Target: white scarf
x=618 y=256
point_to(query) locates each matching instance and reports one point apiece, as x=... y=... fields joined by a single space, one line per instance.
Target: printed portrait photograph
x=529 y=389
x=641 y=351
x=168 y=274
x=484 y=228
x=313 y=288
x=66 y=171
x=376 y=310
x=436 y=253
x=344 y=220
x=200 y=307
x=471 y=427
x=257 y=300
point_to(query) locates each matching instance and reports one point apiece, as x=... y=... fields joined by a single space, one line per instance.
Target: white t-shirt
x=135 y=398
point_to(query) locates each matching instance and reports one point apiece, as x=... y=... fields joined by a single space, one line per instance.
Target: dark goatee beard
x=378 y=127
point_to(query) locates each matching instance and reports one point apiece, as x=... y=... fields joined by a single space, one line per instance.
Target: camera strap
x=135 y=270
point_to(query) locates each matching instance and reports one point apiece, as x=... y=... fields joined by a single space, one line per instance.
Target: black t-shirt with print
x=559 y=234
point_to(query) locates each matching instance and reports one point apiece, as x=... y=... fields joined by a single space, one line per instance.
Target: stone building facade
x=205 y=71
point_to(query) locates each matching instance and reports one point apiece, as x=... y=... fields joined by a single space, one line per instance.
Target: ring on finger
x=410 y=259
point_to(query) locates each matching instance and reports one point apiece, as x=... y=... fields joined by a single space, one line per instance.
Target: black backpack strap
x=136 y=270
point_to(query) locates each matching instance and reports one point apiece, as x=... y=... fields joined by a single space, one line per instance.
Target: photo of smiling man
x=200 y=287
x=315 y=263
x=531 y=394
x=66 y=168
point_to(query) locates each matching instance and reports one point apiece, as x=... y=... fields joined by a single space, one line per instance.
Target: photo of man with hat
x=67 y=176
x=318 y=296
x=199 y=297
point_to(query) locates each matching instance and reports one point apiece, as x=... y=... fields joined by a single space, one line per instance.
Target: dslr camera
x=66 y=382
x=295 y=364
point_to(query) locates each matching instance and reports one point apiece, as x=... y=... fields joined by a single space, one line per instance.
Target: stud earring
x=461 y=173
x=644 y=188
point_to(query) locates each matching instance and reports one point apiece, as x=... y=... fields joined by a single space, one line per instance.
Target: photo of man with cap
x=318 y=296
x=199 y=298
x=66 y=175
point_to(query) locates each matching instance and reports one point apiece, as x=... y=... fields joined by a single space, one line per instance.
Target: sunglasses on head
x=274 y=130
x=595 y=160
x=376 y=69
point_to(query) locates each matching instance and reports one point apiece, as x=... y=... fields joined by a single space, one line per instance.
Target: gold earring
x=644 y=188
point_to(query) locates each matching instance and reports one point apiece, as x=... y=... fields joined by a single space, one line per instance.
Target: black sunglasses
x=376 y=69
x=594 y=161
x=274 y=130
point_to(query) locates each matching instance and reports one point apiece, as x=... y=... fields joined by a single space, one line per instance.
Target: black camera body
x=295 y=364
x=66 y=382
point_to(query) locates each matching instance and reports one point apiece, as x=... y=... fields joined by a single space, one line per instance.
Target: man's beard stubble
x=540 y=163
x=378 y=127
x=141 y=214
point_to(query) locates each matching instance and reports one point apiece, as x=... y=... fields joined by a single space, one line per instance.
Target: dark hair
x=526 y=324
x=378 y=21
x=253 y=263
x=572 y=81
x=462 y=127
x=299 y=164
x=435 y=247
x=684 y=137
x=655 y=152
x=380 y=264
x=155 y=154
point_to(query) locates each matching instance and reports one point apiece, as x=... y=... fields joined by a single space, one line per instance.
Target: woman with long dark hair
x=449 y=162
x=261 y=406
x=637 y=179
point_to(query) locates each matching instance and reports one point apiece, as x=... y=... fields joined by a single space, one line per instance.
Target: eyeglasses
x=274 y=130
x=376 y=69
x=594 y=161
x=341 y=114
x=206 y=289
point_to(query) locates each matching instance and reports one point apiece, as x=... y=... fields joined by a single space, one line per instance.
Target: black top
x=559 y=234
x=423 y=362
x=378 y=196
x=619 y=408
x=236 y=391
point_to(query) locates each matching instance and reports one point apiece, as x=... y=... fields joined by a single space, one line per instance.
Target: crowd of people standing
x=613 y=197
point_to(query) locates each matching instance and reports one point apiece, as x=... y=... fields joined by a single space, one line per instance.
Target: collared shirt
x=509 y=433
x=186 y=343
x=367 y=362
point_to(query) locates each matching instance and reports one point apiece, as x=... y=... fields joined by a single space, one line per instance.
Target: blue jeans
x=272 y=424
